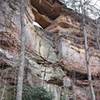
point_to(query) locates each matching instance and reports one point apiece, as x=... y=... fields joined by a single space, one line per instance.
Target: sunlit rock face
x=51 y=53
x=74 y=57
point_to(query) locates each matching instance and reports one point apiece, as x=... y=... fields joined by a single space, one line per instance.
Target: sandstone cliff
x=53 y=51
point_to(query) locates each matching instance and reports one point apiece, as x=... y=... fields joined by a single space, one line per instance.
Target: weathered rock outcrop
x=52 y=53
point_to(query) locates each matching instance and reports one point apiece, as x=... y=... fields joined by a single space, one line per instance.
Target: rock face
x=52 y=53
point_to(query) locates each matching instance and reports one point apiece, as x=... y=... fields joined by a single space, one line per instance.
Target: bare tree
x=22 y=58
x=86 y=52
x=98 y=32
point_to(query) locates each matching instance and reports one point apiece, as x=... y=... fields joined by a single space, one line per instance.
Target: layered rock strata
x=53 y=52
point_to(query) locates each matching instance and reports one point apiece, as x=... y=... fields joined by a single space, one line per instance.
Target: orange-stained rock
x=53 y=51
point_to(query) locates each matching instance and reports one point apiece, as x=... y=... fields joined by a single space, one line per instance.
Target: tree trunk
x=22 y=55
x=86 y=52
x=12 y=29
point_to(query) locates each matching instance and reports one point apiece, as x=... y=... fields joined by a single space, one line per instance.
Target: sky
x=94 y=4
x=97 y=2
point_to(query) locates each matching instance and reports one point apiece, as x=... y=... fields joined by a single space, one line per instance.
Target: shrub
x=33 y=93
x=63 y=97
x=36 y=93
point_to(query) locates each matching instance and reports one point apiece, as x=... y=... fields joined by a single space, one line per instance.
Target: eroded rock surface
x=52 y=53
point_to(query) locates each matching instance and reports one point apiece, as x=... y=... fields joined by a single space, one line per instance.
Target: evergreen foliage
x=31 y=93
